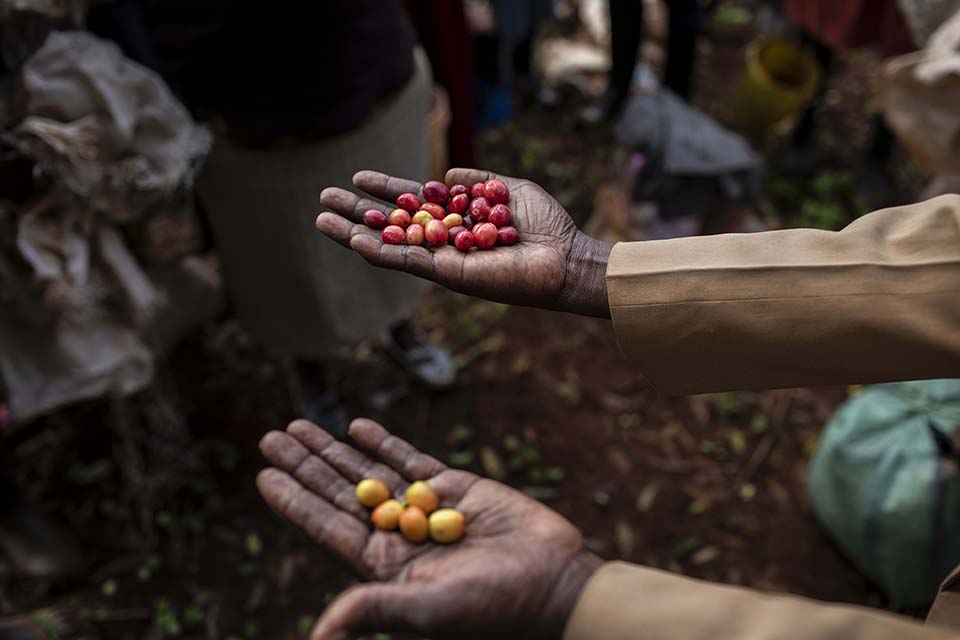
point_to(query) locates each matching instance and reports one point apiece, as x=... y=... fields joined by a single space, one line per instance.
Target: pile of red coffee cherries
x=475 y=217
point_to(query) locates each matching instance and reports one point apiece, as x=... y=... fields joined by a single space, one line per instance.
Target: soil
x=711 y=486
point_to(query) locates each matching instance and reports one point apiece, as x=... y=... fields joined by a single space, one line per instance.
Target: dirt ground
x=712 y=486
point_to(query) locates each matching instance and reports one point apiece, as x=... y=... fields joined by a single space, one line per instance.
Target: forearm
x=623 y=601
x=874 y=302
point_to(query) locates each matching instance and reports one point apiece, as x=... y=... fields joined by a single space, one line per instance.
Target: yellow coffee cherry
x=372 y=492
x=422 y=495
x=453 y=220
x=446 y=525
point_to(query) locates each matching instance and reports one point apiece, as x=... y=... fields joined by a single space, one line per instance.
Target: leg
x=803 y=132
x=684 y=26
x=626 y=32
x=881 y=143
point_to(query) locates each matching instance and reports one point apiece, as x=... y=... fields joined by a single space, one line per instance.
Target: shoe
x=603 y=111
x=426 y=362
x=318 y=403
x=325 y=411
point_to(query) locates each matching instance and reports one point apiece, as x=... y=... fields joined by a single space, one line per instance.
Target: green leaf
x=555 y=474
x=305 y=625
x=109 y=588
x=253 y=544
x=759 y=423
x=461 y=459
x=461 y=433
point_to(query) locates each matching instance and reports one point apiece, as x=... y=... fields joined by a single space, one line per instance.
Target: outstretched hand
x=517 y=571
x=552 y=266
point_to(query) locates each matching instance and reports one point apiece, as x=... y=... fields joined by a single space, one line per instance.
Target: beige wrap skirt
x=295 y=289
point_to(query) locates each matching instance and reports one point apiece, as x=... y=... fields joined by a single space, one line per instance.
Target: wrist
x=566 y=592
x=585 y=287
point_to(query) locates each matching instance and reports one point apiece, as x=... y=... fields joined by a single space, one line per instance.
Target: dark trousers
x=8 y=485
x=626 y=25
x=880 y=146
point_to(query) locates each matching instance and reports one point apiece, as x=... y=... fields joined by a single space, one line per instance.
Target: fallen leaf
x=601 y=498
x=626 y=539
x=619 y=460
x=253 y=544
x=698 y=507
x=647 y=496
x=616 y=403
x=705 y=555
x=738 y=441
x=461 y=458
x=492 y=464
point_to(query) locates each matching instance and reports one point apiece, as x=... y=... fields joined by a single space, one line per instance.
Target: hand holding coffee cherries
x=516 y=571
x=522 y=246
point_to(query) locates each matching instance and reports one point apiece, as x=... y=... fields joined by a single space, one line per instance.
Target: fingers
x=385 y=187
x=469 y=177
x=349 y=462
x=287 y=453
x=399 y=454
x=350 y=205
x=371 y=608
x=325 y=523
x=418 y=261
x=342 y=230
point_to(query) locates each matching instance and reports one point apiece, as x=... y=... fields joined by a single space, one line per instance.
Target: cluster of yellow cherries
x=418 y=519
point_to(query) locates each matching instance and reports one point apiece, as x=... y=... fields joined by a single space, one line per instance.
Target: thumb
x=369 y=608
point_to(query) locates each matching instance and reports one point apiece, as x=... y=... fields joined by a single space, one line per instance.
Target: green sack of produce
x=884 y=483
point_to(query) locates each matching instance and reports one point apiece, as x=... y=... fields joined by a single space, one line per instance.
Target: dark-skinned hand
x=517 y=571
x=553 y=265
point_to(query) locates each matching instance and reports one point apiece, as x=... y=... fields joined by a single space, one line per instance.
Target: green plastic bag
x=884 y=483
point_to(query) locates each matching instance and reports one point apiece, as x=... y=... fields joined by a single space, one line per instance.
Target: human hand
x=518 y=570
x=553 y=265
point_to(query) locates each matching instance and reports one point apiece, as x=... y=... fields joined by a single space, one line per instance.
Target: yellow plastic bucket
x=781 y=78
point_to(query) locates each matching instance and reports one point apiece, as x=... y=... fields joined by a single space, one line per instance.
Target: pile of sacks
x=98 y=263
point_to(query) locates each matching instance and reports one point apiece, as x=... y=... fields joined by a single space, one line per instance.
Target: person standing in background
x=829 y=28
x=626 y=34
x=294 y=113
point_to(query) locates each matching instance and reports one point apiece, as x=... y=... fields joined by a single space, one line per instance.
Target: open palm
x=518 y=569
x=553 y=265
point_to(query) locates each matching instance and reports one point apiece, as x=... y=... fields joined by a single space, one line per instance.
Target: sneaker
x=318 y=403
x=426 y=362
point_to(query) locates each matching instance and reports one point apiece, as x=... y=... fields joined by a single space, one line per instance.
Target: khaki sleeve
x=627 y=602
x=875 y=302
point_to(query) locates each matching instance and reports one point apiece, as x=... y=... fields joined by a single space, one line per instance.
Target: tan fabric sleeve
x=627 y=602
x=878 y=301
x=946 y=608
